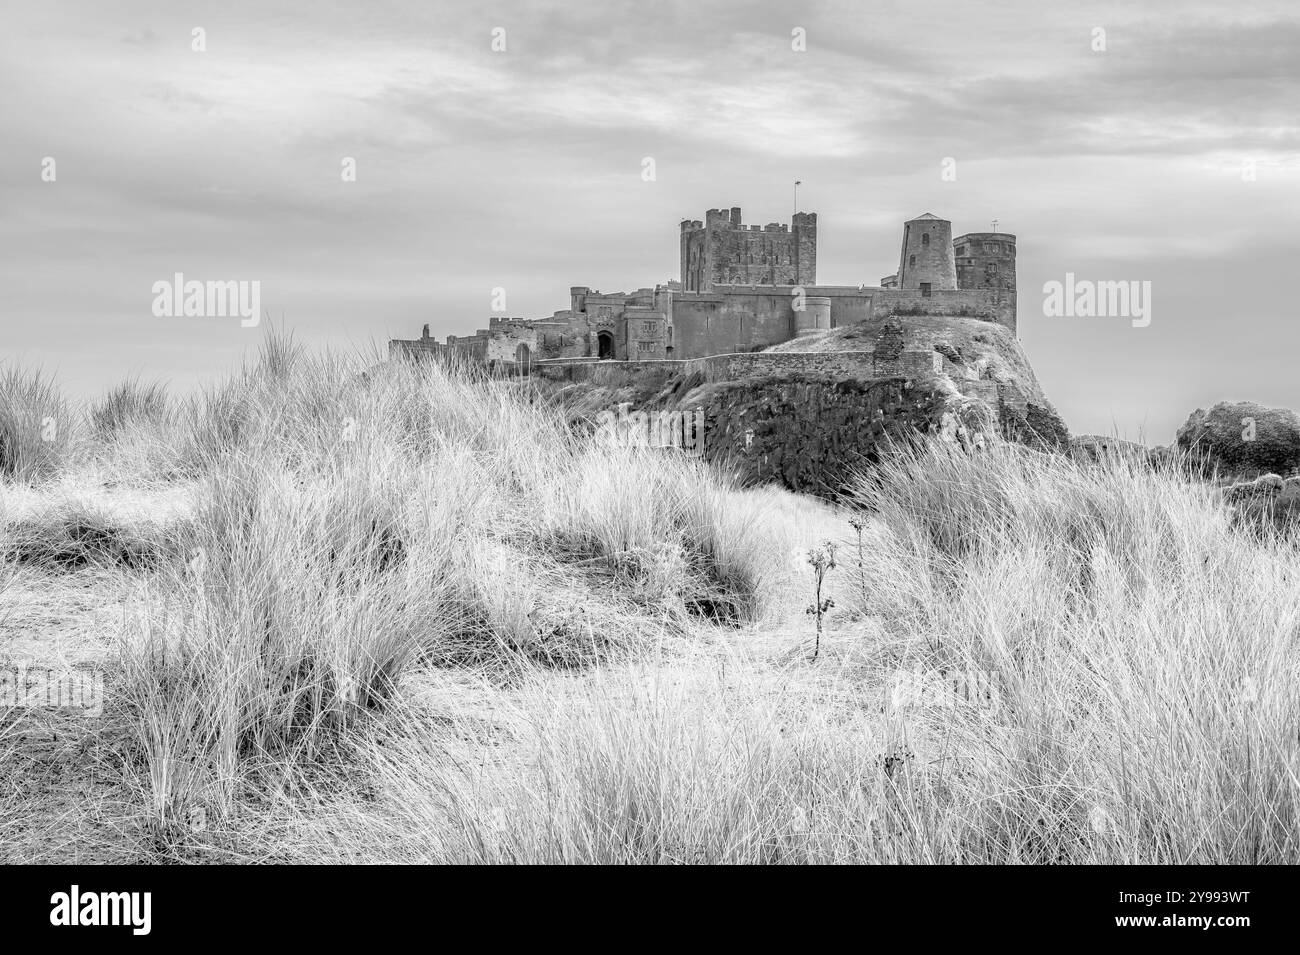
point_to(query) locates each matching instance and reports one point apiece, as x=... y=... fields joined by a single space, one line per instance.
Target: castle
x=744 y=288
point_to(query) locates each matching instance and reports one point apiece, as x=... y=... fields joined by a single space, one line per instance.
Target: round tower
x=986 y=260
x=927 y=258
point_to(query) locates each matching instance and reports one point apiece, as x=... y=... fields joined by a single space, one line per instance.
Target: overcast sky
x=522 y=169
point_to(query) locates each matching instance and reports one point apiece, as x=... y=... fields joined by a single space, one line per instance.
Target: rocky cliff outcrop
x=1242 y=439
x=1269 y=503
x=808 y=413
x=811 y=433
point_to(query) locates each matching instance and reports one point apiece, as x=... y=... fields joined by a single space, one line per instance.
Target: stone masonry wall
x=990 y=305
x=863 y=364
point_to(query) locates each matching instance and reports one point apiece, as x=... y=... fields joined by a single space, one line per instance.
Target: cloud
x=522 y=168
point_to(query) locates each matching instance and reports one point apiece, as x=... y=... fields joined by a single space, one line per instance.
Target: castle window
x=925 y=238
x=645 y=346
x=648 y=327
x=911 y=260
x=925 y=290
x=962 y=250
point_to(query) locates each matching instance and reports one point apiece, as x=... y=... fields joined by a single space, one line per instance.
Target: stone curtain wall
x=729 y=319
x=472 y=348
x=862 y=365
x=990 y=305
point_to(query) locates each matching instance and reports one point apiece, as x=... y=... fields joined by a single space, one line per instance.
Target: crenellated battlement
x=732 y=219
x=725 y=250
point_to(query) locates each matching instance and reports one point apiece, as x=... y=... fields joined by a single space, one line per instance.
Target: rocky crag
x=1242 y=440
x=809 y=413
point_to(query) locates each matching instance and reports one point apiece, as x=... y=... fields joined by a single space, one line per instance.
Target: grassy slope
x=409 y=617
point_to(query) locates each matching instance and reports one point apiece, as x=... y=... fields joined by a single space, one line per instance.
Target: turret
x=926 y=261
x=578 y=298
x=987 y=260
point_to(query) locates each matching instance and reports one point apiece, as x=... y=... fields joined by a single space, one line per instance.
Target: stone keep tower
x=986 y=260
x=722 y=250
x=927 y=259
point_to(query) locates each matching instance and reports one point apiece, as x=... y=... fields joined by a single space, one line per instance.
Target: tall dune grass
x=128 y=404
x=352 y=525
x=1145 y=650
x=1141 y=665
x=367 y=535
x=37 y=426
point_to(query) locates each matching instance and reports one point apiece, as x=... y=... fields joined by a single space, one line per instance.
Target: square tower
x=722 y=250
